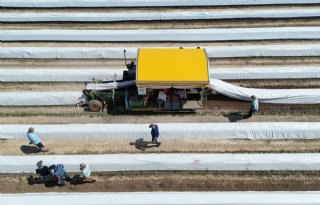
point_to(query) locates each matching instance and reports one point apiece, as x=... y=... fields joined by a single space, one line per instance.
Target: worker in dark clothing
x=43 y=171
x=154 y=133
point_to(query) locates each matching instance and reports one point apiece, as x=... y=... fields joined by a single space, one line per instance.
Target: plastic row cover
x=137 y=162
x=112 y=17
x=39 y=98
x=280 y=96
x=249 y=130
x=74 y=74
x=165 y=198
x=143 y=3
x=117 y=53
x=159 y=35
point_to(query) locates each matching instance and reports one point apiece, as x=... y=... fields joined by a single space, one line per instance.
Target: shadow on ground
x=235 y=116
x=143 y=145
x=27 y=149
x=77 y=179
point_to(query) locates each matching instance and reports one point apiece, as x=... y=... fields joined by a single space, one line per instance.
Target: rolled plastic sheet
x=289 y=50
x=165 y=35
x=247 y=130
x=280 y=96
x=86 y=74
x=143 y=3
x=110 y=86
x=24 y=98
x=166 y=16
x=148 y=162
x=166 y=198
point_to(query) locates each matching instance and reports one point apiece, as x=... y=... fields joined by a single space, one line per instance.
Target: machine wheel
x=95 y=105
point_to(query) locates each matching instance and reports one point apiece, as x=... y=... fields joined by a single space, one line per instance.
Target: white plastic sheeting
x=137 y=162
x=39 y=98
x=74 y=74
x=165 y=198
x=86 y=74
x=281 y=96
x=146 y=35
x=144 y=3
x=247 y=130
x=117 y=52
x=266 y=72
x=113 y=17
x=110 y=86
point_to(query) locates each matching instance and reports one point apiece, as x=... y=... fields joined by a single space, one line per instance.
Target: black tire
x=95 y=105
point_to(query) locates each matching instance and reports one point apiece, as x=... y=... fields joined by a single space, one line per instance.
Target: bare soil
x=75 y=86
x=173 y=181
x=94 y=146
x=155 y=44
x=155 y=9
x=256 y=61
x=223 y=23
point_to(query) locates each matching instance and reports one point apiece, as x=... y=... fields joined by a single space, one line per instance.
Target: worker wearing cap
x=43 y=171
x=35 y=140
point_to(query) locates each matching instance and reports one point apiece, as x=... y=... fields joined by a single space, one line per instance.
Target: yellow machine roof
x=172 y=67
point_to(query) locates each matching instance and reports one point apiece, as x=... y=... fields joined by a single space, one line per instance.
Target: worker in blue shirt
x=35 y=140
x=254 y=106
x=60 y=173
x=154 y=133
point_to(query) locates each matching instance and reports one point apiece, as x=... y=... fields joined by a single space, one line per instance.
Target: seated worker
x=60 y=173
x=34 y=139
x=43 y=171
x=86 y=172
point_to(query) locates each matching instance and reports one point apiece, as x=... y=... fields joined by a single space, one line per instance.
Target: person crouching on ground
x=154 y=133
x=35 y=140
x=86 y=172
x=43 y=171
x=254 y=106
x=60 y=173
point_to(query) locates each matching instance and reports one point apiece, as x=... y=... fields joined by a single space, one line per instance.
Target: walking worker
x=35 y=140
x=254 y=106
x=154 y=133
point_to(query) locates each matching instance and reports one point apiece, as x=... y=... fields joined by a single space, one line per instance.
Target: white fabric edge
x=158 y=35
x=86 y=74
x=280 y=96
x=137 y=162
x=117 y=53
x=247 y=130
x=144 y=3
x=166 y=198
x=113 y=17
x=24 y=98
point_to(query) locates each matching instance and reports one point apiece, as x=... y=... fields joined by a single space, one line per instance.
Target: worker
x=35 y=140
x=60 y=173
x=86 y=172
x=154 y=133
x=254 y=106
x=43 y=171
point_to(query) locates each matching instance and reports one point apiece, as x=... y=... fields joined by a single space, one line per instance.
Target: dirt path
x=73 y=86
x=157 y=9
x=21 y=147
x=257 y=61
x=174 y=181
